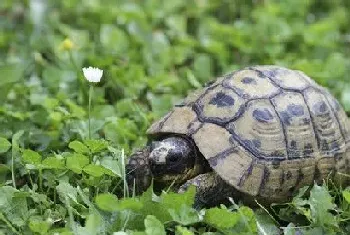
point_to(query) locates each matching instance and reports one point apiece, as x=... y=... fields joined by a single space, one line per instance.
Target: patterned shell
x=266 y=130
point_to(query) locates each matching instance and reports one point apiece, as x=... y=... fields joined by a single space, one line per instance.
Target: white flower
x=92 y=74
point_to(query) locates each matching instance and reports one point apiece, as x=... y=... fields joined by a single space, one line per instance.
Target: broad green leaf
x=113 y=39
x=75 y=110
x=336 y=64
x=112 y=164
x=51 y=103
x=345 y=98
x=41 y=198
x=78 y=147
x=157 y=53
x=169 y=205
x=97 y=170
x=76 y=162
x=4 y=171
x=265 y=224
x=152 y=206
x=65 y=190
x=15 y=140
x=96 y=145
x=221 y=218
x=37 y=225
x=11 y=73
x=162 y=104
x=107 y=202
x=16 y=149
x=186 y=215
x=14 y=207
x=183 y=231
x=154 y=226
x=4 y=145
x=291 y=229
x=53 y=163
x=248 y=221
x=321 y=203
x=176 y=200
x=110 y=202
x=53 y=75
x=202 y=67
x=31 y=157
x=129 y=203
x=94 y=225
x=346 y=195
x=120 y=130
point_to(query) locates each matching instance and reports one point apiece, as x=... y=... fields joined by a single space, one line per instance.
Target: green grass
x=54 y=180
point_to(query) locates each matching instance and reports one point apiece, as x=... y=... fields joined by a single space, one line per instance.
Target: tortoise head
x=173 y=159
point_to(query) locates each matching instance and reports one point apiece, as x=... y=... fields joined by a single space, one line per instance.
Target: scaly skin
x=138 y=172
x=212 y=190
x=209 y=189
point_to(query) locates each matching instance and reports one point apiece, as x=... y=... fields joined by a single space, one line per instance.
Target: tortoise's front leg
x=138 y=172
x=211 y=190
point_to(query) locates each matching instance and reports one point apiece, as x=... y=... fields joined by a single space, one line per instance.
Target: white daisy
x=93 y=74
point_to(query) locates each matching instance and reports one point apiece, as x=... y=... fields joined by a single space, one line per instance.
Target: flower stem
x=89 y=115
x=13 y=168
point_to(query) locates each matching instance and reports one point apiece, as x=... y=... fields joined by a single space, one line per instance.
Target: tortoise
x=258 y=133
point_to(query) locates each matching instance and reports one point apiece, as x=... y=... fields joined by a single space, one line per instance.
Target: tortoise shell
x=265 y=130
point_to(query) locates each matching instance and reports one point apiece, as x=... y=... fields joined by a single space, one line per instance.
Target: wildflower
x=93 y=74
x=67 y=45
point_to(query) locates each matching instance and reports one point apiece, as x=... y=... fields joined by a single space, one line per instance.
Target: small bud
x=67 y=45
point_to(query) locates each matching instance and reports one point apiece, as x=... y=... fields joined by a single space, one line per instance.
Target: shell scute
x=325 y=168
x=341 y=116
x=296 y=120
x=326 y=126
x=285 y=179
x=212 y=139
x=237 y=168
x=284 y=78
x=259 y=130
x=249 y=85
x=219 y=105
x=252 y=180
x=192 y=97
x=175 y=121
